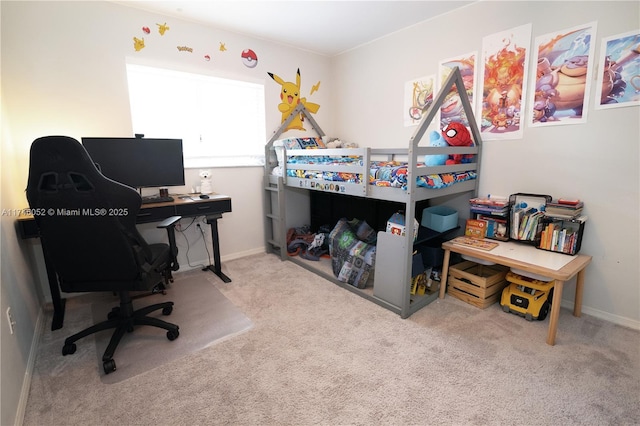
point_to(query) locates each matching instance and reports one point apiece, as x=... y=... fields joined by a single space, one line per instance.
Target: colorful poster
x=564 y=69
x=619 y=78
x=452 y=109
x=505 y=59
x=418 y=96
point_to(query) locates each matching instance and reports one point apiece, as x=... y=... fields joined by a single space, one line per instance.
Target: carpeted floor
x=318 y=354
x=204 y=315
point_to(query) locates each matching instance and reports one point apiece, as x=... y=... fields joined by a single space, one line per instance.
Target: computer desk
x=557 y=266
x=188 y=205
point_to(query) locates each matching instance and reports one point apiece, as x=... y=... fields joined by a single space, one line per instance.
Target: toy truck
x=527 y=297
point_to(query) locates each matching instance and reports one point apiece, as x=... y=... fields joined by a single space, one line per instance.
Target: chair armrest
x=170 y=225
x=170 y=221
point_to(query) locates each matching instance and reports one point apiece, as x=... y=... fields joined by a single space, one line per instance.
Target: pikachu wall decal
x=290 y=98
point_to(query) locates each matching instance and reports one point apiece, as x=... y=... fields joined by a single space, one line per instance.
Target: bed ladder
x=274 y=221
x=275 y=232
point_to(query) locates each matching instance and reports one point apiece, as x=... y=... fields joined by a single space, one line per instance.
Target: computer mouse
x=204 y=196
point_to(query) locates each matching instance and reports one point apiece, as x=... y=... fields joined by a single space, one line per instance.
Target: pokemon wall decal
x=162 y=28
x=314 y=88
x=138 y=44
x=185 y=49
x=249 y=58
x=146 y=30
x=222 y=47
x=290 y=97
x=207 y=58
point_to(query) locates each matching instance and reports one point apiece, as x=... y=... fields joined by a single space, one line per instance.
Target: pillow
x=304 y=143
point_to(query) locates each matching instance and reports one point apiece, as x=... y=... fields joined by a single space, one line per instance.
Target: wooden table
x=557 y=266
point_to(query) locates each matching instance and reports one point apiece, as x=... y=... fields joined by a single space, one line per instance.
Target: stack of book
x=498 y=206
x=494 y=212
x=564 y=208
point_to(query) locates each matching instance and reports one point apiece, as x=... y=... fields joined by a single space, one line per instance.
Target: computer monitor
x=138 y=162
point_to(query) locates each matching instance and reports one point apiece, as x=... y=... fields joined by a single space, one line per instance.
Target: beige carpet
x=205 y=317
x=318 y=354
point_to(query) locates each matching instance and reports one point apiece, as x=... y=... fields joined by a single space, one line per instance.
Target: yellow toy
x=527 y=297
x=290 y=97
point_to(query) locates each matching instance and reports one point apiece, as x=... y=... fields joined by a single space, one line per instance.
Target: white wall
x=596 y=161
x=63 y=72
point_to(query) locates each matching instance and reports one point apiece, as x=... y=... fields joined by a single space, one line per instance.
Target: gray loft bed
x=286 y=198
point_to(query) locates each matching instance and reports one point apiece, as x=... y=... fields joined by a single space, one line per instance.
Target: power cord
x=205 y=243
x=182 y=231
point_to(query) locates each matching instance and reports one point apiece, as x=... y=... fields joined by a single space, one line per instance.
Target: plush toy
x=456 y=134
x=436 y=139
x=337 y=143
x=205 y=182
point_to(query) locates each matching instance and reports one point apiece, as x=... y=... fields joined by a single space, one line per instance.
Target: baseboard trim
x=616 y=319
x=31 y=362
x=197 y=264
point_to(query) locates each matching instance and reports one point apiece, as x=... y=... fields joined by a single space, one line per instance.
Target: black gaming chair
x=87 y=226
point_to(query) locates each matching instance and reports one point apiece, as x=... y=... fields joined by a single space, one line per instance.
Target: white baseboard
x=196 y=264
x=616 y=319
x=31 y=362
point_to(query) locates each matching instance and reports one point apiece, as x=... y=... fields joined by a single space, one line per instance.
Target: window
x=220 y=121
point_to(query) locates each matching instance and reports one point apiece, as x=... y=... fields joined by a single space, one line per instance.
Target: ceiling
x=326 y=27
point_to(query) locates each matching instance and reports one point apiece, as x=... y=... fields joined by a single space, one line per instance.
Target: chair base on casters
x=123 y=319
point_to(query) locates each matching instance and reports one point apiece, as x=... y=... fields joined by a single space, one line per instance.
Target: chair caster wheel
x=173 y=334
x=68 y=349
x=167 y=310
x=109 y=366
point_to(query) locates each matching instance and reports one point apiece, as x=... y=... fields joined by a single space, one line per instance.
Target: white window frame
x=207 y=112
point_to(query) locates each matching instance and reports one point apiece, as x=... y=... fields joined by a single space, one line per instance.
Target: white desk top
x=523 y=253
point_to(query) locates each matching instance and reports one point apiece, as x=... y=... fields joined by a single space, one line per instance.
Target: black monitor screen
x=138 y=162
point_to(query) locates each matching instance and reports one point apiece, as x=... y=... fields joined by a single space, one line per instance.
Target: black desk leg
x=216 y=268
x=58 y=302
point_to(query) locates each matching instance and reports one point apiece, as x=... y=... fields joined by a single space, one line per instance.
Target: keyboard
x=154 y=200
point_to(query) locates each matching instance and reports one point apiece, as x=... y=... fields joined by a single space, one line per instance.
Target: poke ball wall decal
x=249 y=58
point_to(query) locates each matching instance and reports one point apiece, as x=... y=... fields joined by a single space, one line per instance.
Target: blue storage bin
x=439 y=218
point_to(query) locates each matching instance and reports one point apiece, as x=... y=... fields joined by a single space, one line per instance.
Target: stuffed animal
x=456 y=134
x=436 y=139
x=205 y=182
x=337 y=143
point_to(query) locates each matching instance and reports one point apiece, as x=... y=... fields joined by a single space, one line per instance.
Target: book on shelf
x=496 y=227
x=490 y=201
x=525 y=224
x=562 y=235
x=490 y=205
x=564 y=208
x=476 y=228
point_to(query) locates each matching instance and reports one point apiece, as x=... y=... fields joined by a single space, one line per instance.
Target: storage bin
x=478 y=285
x=439 y=218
